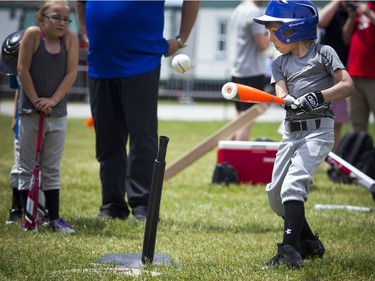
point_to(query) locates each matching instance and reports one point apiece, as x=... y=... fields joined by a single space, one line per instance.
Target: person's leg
x=52 y=151
x=286 y=254
x=56 y=223
x=337 y=131
x=369 y=88
x=258 y=82
x=111 y=137
x=242 y=134
x=280 y=169
x=16 y=210
x=27 y=145
x=313 y=147
x=53 y=199
x=310 y=245
x=306 y=232
x=140 y=103
x=359 y=108
x=293 y=222
x=340 y=109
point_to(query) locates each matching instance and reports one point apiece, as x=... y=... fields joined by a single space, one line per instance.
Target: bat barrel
x=244 y=93
x=229 y=91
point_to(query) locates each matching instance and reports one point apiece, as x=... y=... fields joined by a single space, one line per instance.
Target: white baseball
x=181 y=63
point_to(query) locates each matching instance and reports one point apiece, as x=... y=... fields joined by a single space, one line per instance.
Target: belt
x=304 y=125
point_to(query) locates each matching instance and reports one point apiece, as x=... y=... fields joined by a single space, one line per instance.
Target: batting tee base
x=134 y=260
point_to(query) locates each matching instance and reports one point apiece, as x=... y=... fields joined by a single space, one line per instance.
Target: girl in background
x=47 y=69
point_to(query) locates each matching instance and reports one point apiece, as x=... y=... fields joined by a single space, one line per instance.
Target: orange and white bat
x=243 y=93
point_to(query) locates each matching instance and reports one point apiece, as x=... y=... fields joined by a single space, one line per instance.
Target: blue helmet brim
x=266 y=19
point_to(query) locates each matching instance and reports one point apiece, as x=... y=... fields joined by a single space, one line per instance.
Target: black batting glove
x=310 y=101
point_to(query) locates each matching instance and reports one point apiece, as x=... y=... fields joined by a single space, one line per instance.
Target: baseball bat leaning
x=238 y=92
x=35 y=206
x=210 y=142
x=349 y=170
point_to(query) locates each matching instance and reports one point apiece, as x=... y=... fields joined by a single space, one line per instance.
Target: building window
x=222 y=38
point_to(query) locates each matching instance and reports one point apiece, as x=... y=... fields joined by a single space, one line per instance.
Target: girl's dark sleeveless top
x=47 y=71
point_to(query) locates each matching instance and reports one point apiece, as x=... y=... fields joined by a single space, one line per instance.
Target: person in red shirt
x=359 y=32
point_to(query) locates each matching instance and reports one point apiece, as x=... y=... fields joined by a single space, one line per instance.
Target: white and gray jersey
x=310 y=73
x=248 y=61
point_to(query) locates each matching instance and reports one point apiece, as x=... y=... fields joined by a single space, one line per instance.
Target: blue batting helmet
x=299 y=19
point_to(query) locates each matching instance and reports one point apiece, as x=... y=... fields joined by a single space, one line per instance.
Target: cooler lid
x=248 y=144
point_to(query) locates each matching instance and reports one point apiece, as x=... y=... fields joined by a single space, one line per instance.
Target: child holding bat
x=47 y=68
x=309 y=76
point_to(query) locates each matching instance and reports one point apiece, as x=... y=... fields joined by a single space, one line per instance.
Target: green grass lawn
x=210 y=232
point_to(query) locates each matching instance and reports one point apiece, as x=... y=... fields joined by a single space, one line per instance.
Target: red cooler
x=253 y=160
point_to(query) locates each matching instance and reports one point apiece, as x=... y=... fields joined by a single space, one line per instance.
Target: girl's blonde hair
x=46 y=5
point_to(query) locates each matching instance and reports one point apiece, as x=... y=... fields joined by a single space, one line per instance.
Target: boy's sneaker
x=14 y=216
x=287 y=255
x=311 y=249
x=59 y=225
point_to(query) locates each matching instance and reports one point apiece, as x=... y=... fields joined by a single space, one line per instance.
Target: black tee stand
x=148 y=256
x=154 y=202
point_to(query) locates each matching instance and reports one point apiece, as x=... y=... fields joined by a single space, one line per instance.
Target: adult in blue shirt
x=126 y=45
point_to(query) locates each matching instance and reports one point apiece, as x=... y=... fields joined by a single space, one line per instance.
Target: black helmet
x=9 y=53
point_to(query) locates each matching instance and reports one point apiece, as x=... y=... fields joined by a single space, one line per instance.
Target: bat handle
x=229 y=91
